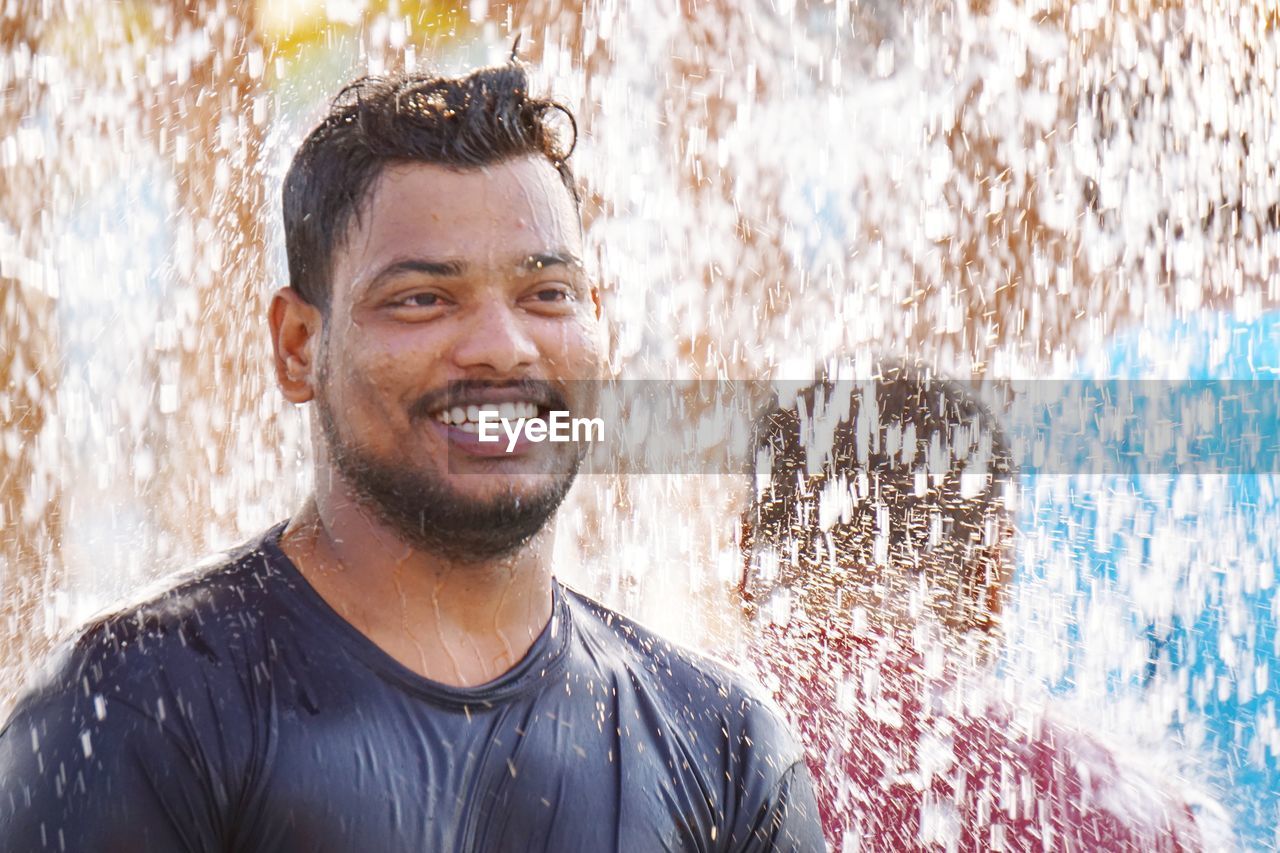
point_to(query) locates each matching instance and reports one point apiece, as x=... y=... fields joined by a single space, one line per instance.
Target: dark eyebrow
x=542 y=260
x=440 y=269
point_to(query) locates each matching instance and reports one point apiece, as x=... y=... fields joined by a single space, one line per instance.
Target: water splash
x=999 y=188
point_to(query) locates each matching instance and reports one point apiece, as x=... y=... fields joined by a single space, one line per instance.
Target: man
x=877 y=548
x=395 y=668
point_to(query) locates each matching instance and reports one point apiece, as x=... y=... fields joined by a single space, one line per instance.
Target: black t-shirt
x=237 y=711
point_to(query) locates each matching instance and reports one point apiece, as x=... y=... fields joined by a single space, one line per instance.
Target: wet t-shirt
x=237 y=711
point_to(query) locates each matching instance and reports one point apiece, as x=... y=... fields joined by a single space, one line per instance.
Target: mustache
x=465 y=392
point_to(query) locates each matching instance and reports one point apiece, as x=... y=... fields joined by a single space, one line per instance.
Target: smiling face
x=454 y=291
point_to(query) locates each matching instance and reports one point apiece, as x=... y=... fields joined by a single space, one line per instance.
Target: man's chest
x=527 y=776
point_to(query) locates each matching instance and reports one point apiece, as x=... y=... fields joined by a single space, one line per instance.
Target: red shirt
x=908 y=762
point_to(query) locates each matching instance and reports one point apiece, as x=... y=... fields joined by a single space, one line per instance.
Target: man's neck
x=461 y=624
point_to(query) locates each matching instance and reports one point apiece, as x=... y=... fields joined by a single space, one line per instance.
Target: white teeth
x=469 y=416
x=469 y=426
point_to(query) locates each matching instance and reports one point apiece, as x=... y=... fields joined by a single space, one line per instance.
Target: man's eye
x=420 y=300
x=553 y=294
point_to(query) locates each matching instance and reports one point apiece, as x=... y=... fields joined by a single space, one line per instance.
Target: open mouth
x=467 y=418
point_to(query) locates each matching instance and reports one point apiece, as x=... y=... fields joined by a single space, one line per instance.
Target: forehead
x=510 y=209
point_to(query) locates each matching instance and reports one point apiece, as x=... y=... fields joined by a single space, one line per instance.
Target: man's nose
x=495 y=337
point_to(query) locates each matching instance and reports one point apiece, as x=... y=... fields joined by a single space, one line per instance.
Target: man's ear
x=595 y=299
x=296 y=327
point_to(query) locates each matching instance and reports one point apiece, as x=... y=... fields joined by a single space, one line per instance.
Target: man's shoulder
x=658 y=655
x=150 y=711
x=696 y=683
x=191 y=617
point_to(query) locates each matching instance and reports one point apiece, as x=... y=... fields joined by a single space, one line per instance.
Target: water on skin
x=441 y=640
x=1002 y=187
x=508 y=654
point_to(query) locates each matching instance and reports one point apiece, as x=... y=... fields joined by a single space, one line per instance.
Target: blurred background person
x=878 y=547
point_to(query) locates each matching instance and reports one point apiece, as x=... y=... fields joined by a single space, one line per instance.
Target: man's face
x=456 y=290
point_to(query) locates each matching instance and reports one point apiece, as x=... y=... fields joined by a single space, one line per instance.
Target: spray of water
x=998 y=188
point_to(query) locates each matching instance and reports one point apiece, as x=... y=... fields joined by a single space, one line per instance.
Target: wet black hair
x=480 y=119
x=925 y=431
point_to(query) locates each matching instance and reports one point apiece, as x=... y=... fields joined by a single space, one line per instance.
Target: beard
x=431 y=516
